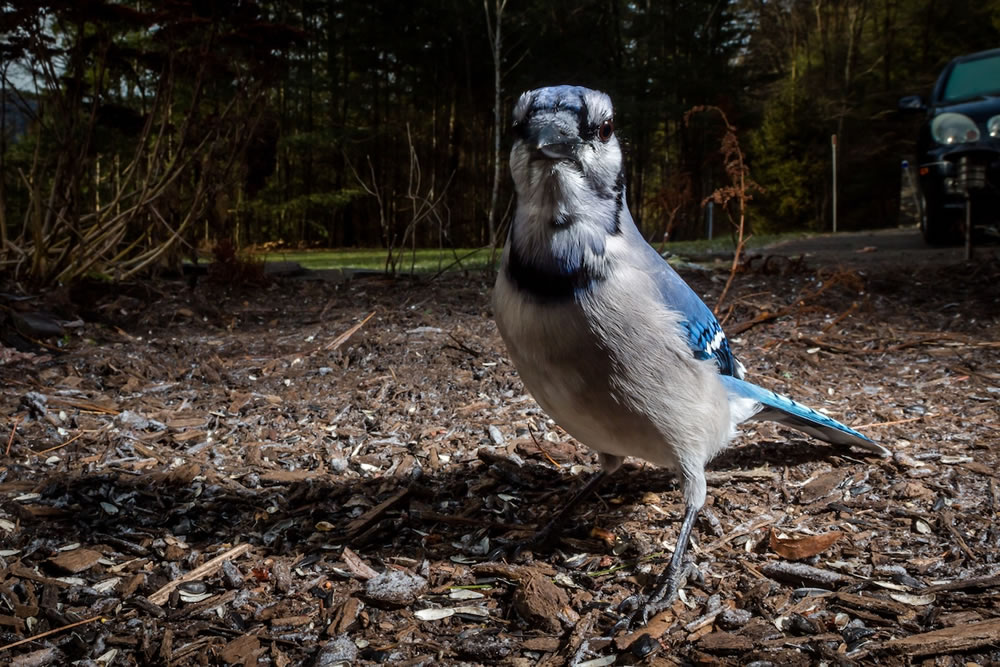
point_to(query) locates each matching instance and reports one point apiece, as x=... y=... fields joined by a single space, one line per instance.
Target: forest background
x=134 y=133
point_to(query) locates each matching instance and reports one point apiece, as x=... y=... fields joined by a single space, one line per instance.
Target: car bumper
x=946 y=177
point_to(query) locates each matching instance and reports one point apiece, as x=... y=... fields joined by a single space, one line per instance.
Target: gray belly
x=565 y=363
x=615 y=372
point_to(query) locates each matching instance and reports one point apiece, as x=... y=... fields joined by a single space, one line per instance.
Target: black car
x=958 y=148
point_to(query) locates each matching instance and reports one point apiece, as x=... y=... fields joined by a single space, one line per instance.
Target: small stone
x=193 y=587
x=395 y=588
x=231 y=574
x=800 y=625
x=643 y=646
x=733 y=619
x=338 y=651
x=855 y=635
x=485 y=647
x=282 y=572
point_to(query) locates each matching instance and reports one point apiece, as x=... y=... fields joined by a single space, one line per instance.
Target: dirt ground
x=313 y=471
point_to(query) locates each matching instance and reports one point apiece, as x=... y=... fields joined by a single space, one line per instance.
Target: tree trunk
x=497 y=115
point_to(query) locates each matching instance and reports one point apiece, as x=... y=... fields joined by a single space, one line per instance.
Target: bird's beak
x=555 y=143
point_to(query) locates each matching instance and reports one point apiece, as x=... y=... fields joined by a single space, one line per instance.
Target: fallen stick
x=893 y=423
x=542 y=449
x=355 y=527
x=948 y=640
x=205 y=569
x=13 y=430
x=948 y=518
x=963 y=584
x=52 y=449
x=342 y=338
x=49 y=632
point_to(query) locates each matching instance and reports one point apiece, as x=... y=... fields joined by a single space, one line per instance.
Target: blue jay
x=606 y=336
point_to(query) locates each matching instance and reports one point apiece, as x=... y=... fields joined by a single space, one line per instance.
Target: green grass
x=432 y=260
x=423 y=260
x=724 y=244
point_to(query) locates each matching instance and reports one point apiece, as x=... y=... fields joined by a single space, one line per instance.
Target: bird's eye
x=606 y=130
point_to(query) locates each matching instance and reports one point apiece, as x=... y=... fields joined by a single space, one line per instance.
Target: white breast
x=616 y=382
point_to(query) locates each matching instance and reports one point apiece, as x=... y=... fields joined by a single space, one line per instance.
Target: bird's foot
x=636 y=610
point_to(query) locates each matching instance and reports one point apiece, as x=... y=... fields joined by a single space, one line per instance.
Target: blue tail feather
x=781 y=409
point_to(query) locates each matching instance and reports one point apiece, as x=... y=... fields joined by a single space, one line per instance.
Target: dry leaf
x=434 y=614
x=797 y=548
x=360 y=569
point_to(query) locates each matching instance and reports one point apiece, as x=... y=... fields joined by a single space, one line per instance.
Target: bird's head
x=565 y=145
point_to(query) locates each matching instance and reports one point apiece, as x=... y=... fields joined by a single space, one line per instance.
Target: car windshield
x=973 y=78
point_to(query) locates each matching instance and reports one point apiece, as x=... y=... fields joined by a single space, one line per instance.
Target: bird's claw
x=636 y=610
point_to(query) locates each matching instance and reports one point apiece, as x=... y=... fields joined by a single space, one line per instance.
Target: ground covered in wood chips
x=313 y=471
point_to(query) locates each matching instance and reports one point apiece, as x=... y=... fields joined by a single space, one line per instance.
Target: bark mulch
x=314 y=471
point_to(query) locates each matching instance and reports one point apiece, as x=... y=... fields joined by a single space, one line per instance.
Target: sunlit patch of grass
x=724 y=244
x=432 y=260
x=422 y=260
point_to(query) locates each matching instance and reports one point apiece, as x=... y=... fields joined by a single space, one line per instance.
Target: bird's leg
x=666 y=585
x=555 y=524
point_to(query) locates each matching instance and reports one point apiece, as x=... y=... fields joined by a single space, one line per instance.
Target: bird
x=607 y=337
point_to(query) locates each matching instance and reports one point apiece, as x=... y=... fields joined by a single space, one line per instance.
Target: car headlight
x=954 y=128
x=993 y=127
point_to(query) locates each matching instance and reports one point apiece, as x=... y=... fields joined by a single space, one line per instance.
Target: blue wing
x=704 y=333
x=781 y=409
x=707 y=341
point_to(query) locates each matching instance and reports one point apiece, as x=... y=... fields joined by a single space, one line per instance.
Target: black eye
x=606 y=130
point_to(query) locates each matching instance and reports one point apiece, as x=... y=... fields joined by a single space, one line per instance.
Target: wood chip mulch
x=313 y=472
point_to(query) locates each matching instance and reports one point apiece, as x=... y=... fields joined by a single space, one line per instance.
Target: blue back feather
x=707 y=340
x=704 y=333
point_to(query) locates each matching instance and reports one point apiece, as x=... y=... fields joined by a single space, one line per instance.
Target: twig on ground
x=203 y=570
x=949 y=522
x=52 y=449
x=13 y=430
x=542 y=449
x=462 y=346
x=893 y=423
x=342 y=338
x=49 y=632
x=368 y=518
x=838 y=318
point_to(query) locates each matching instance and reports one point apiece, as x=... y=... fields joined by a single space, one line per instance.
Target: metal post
x=968 y=226
x=833 y=149
x=708 y=217
x=971 y=176
x=911 y=183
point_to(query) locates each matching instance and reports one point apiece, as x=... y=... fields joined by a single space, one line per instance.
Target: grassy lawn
x=724 y=244
x=423 y=260
x=426 y=260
